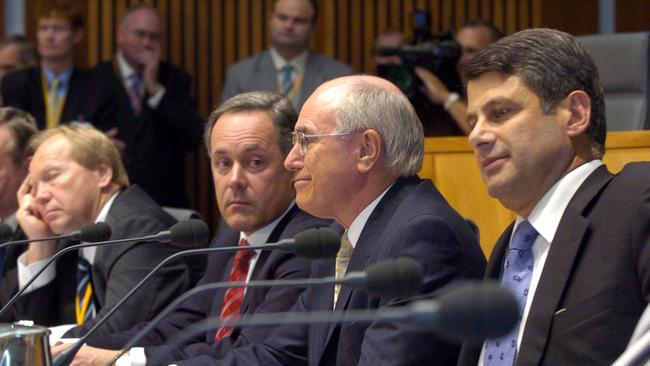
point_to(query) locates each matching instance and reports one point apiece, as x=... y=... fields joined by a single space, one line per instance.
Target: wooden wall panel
x=206 y=36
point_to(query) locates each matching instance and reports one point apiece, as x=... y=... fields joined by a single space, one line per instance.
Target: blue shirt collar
x=64 y=77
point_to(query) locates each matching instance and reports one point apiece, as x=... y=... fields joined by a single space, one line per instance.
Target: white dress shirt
x=545 y=218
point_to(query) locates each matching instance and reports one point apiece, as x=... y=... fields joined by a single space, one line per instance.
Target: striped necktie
x=135 y=94
x=54 y=102
x=287 y=79
x=342 y=261
x=517 y=272
x=234 y=296
x=84 y=304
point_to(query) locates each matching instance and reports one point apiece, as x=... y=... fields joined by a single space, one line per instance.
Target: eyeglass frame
x=299 y=136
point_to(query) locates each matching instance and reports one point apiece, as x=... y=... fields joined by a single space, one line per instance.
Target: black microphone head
x=401 y=277
x=475 y=311
x=5 y=232
x=189 y=233
x=317 y=243
x=93 y=233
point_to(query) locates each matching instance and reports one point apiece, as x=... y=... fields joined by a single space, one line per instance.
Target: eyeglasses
x=303 y=140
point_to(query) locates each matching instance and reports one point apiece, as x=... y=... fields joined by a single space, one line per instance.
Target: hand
x=88 y=355
x=119 y=144
x=435 y=89
x=28 y=215
x=58 y=348
x=32 y=223
x=150 y=59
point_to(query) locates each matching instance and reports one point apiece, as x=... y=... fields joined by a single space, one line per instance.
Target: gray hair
x=368 y=106
x=279 y=108
x=552 y=64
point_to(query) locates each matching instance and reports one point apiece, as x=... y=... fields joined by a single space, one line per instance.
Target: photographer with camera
x=472 y=37
x=427 y=70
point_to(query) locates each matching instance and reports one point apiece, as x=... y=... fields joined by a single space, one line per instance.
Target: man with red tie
x=247 y=138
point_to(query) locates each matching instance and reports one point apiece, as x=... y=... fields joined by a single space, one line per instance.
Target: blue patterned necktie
x=517 y=272
x=84 y=305
x=287 y=79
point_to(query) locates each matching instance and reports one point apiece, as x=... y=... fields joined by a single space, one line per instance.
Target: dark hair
x=64 y=11
x=495 y=33
x=23 y=127
x=26 y=50
x=279 y=108
x=552 y=64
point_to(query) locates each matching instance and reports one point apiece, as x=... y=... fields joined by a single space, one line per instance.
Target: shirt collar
x=261 y=236
x=64 y=77
x=126 y=70
x=297 y=62
x=547 y=213
x=355 y=229
x=107 y=206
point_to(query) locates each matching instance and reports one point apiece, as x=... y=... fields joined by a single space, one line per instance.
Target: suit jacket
x=270 y=265
x=23 y=89
x=413 y=220
x=115 y=271
x=259 y=73
x=11 y=256
x=596 y=280
x=156 y=139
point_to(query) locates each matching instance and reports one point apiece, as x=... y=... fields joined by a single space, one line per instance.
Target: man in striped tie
x=76 y=178
x=247 y=138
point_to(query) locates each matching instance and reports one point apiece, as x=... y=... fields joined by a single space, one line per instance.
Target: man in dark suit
x=16 y=128
x=580 y=270
x=288 y=67
x=157 y=120
x=76 y=178
x=247 y=139
x=56 y=92
x=356 y=160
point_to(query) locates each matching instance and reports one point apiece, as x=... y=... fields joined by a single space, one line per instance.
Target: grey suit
x=259 y=73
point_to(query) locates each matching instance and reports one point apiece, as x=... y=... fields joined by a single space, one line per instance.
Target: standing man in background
x=56 y=92
x=157 y=120
x=288 y=67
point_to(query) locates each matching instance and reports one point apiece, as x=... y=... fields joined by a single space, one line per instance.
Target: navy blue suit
x=596 y=279
x=413 y=220
x=270 y=265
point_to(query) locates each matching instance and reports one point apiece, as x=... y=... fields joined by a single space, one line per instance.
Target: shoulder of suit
x=330 y=64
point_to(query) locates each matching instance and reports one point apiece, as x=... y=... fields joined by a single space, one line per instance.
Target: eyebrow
x=470 y=117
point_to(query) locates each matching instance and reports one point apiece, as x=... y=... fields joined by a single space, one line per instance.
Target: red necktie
x=234 y=296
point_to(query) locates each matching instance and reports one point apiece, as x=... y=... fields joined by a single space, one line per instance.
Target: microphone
x=182 y=230
x=312 y=243
x=402 y=271
x=471 y=310
x=92 y=233
x=6 y=232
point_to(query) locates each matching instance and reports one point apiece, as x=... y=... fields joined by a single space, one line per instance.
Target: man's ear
x=579 y=106
x=369 y=150
x=104 y=175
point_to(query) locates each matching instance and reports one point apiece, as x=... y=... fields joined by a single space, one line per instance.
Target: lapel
x=265 y=76
x=369 y=242
x=274 y=237
x=37 y=95
x=74 y=100
x=556 y=274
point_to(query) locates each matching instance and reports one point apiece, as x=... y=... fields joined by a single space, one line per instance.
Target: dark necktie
x=233 y=298
x=135 y=95
x=517 y=272
x=84 y=304
x=287 y=79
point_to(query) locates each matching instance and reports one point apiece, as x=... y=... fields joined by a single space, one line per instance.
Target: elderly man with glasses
x=355 y=161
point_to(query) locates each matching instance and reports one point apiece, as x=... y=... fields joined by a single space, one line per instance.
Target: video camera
x=438 y=54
